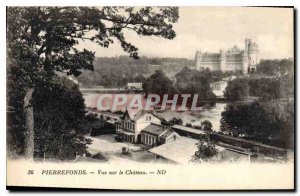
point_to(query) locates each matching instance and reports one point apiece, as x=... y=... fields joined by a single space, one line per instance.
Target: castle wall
x=233 y=66
x=213 y=66
x=233 y=60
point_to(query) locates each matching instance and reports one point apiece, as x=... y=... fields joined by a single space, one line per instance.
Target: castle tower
x=253 y=55
x=245 y=62
x=222 y=60
x=246 y=44
x=198 y=58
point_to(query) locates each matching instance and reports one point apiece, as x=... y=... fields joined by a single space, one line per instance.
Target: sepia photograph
x=150 y=98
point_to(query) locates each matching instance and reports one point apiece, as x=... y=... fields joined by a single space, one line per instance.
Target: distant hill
x=117 y=71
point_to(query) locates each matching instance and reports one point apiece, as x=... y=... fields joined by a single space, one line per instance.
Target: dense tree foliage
x=274 y=79
x=205 y=152
x=190 y=81
x=175 y=121
x=264 y=88
x=102 y=127
x=237 y=89
x=206 y=125
x=43 y=40
x=158 y=83
x=275 y=67
x=139 y=78
x=218 y=75
x=118 y=71
x=270 y=122
x=113 y=72
x=59 y=118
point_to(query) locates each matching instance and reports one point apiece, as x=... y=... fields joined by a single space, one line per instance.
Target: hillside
x=117 y=71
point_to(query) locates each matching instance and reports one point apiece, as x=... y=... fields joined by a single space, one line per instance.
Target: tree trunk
x=29 y=124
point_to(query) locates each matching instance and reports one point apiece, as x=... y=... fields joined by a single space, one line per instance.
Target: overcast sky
x=211 y=29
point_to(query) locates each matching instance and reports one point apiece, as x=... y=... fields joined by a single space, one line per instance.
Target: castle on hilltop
x=232 y=60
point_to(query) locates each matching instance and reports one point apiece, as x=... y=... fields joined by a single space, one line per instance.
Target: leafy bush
x=102 y=127
x=206 y=125
x=188 y=125
x=101 y=156
x=206 y=150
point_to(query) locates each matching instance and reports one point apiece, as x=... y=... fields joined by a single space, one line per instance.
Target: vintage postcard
x=150 y=98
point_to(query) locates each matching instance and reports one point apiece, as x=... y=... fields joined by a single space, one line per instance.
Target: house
x=131 y=124
x=154 y=135
x=189 y=131
x=135 y=86
x=218 y=88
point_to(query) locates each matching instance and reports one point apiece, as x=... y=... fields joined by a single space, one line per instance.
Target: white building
x=218 y=88
x=131 y=124
x=143 y=127
x=135 y=86
x=154 y=135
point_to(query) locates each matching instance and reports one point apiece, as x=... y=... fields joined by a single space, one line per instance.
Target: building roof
x=219 y=82
x=233 y=50
x=139 y=114
x=155 y=129
x=189 y=129
x=180 y=150
x=215 y=57
x=168 y=133
x=126 y=132
x=134 y=115
x=211 y=55
x=248 y=141
x=135 y=83
x=239 y=152
x=183 y=149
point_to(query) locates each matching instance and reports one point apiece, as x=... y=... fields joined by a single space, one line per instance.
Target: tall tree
x=270 y=122
x=43 y=40
x=59 y=114
x=237 y=89
x=190 y=81
x=205 y=152
x=206 y=125
x=158 y=83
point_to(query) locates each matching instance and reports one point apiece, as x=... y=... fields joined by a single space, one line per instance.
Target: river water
x=212 y=114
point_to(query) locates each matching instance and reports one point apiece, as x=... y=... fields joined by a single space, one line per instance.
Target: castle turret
x=198 y=54
x=246 y=44
x=253 y=55
x=222 y=60
x=198 y=58
x=245 y=62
